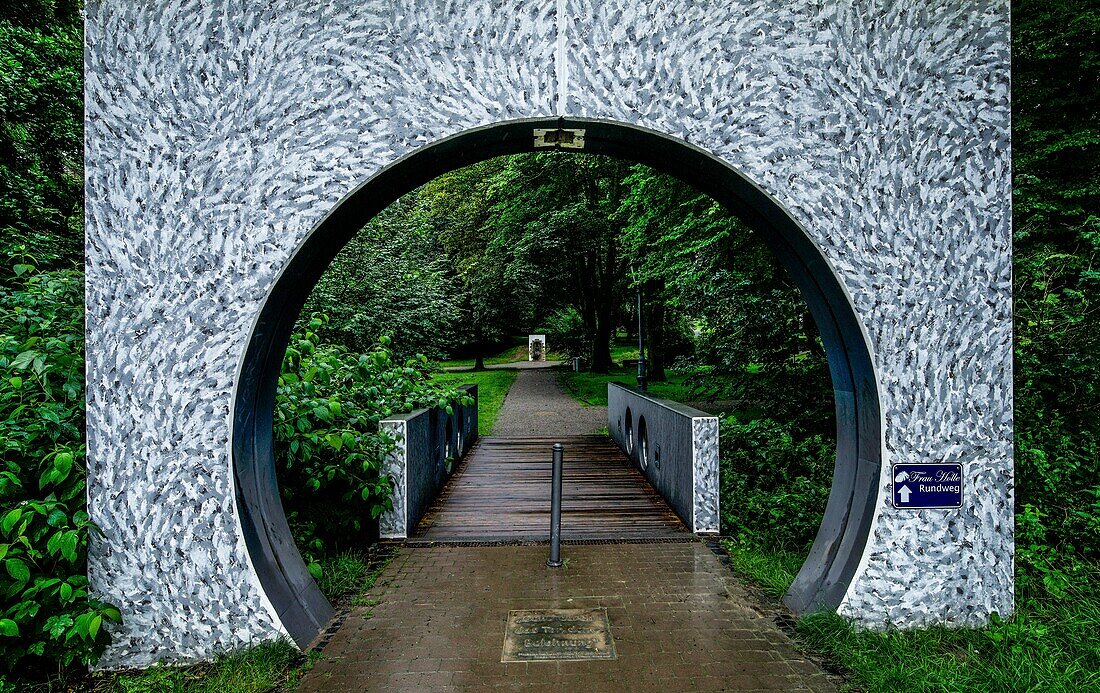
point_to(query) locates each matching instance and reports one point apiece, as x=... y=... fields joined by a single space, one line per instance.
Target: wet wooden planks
x=502 y=492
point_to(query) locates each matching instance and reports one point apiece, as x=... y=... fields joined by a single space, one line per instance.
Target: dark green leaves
x=328 y=442
x=18 y=570
x=46 y=616
x=10 y=519
x=1056 y=237
x=391 y=278
x=41 y=142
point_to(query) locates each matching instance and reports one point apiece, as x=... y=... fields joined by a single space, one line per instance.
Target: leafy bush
x=774 y=482
x=564 y=329
x=328 y=442
x=46 y=614
x=390 y=279
x=42 y=133
x=1056 y=283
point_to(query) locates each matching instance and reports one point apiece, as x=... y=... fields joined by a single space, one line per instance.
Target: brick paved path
x=536 y=406
x=679 y=619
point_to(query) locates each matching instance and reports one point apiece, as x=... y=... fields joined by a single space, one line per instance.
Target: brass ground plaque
x=557 y=634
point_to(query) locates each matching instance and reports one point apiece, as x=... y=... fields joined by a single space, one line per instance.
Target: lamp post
x=641 y=335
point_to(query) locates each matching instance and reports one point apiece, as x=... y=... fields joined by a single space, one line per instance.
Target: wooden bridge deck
x=501 y=492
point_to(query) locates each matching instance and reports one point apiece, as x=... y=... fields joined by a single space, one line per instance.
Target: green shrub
x=565 y=331
x=46 y=615
x=774 y=482
x=328 y=442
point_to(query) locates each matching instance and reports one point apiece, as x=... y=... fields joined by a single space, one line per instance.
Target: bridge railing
x=430 y=443
x=674 y=446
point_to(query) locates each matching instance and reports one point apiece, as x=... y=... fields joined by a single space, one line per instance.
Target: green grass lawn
x=516 y=352
x=623 y=350
x=590 y=389
x=1051 y=643
x=492 y=386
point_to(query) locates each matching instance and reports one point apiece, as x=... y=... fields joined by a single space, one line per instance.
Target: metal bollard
x=555 y=509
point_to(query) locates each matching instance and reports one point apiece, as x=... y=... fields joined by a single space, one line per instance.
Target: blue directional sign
x=927 y=485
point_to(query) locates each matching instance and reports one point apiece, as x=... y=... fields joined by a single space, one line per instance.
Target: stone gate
x=233 y=147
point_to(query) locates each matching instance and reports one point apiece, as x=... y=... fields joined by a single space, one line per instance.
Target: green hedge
x=46 y=615
x=774 y=482
x=328 y=442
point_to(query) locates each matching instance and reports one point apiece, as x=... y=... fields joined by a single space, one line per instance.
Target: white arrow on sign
x=904 y=492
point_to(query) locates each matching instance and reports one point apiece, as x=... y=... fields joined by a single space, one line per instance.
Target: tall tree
x=753 y=331
x=1056 y=219
x=391 y=279
x=41 y=131
x=558 y=210
x=491 y=273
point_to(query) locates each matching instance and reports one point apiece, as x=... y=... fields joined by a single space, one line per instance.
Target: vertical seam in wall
x=694 y=480
x=561 y=67
x=405 y=479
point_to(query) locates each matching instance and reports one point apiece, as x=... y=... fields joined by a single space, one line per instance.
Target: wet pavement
x=679 y=621
x=501 y=492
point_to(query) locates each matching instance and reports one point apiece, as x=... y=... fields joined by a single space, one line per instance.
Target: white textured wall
x=220 y=132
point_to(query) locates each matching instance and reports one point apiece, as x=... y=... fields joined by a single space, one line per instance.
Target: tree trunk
x=606 y=303
x=479 y=345
x=655 y=340
x=601 y=344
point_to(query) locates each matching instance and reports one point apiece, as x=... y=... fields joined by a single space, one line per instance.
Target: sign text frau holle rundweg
x=927 y=485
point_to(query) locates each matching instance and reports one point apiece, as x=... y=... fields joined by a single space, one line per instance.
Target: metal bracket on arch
x=562 y=138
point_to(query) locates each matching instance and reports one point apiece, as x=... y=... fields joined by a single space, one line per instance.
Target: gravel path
x=537 y=406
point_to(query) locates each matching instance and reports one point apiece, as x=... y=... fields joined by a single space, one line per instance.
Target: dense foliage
x=391 y=279
x=329 y=446
x=510 y=245
x=774 y=483
x=1056 y=258
x=557 y=242
x=42 y=130
x=46 y=614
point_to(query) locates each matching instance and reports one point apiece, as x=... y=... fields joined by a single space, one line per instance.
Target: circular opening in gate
x=460 y=426
x=643 y=444
x=448 y=444
x=834 y=558
x=629 y=431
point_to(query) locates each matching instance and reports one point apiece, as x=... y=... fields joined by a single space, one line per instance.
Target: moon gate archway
x=868 y=145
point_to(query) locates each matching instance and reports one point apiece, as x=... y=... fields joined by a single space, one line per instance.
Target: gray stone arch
x=826 y=575
x=220 y=135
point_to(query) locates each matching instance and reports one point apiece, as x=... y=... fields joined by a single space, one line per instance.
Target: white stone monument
x=536 y=347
